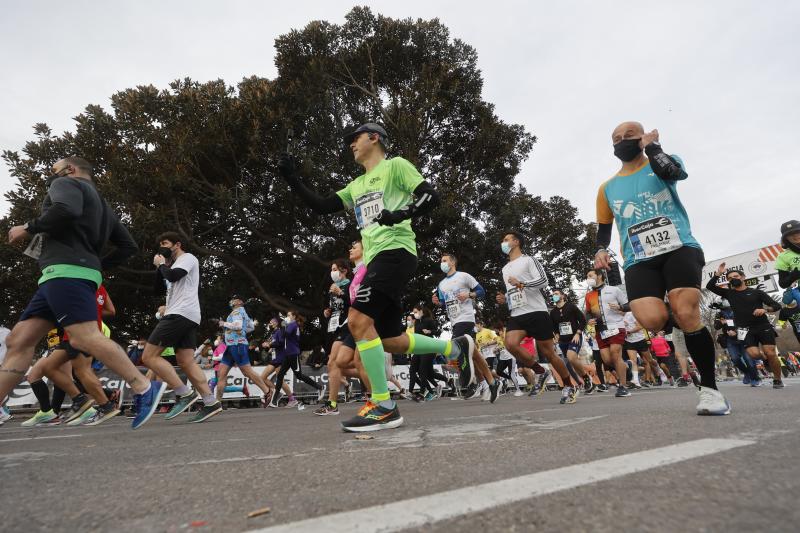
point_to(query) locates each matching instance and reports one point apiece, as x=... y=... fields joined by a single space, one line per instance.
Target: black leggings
x=293 y=362
x=414 y=374
x=598 y=366
x=428 y=374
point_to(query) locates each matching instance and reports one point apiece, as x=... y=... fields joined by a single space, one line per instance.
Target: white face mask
x=445 y=266
x=335 y=276
x=591 y=282
x=216 y=342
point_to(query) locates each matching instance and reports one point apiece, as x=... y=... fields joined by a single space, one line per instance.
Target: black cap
x=235 y=297
x=790 y=226
x=369 y=127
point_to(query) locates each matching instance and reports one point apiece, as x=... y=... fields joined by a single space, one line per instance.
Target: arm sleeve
x=124 y=246
x=787 y=277
x=479 y=291
x=66 y=204
x=440 y=294
x=537 y=273
x=580 y=318
x=767 y=300
x=426 y=199
x=320 y=204
x=171 y=274
x=712 y=286
x=603 y=235
x=160 y=285
x=666 y=167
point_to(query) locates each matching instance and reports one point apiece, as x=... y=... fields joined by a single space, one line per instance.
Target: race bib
x=487 y=352
x=516 y=299
x=741 y=333
x=565 y=328
x=797 y=325
x=34 y=249
x=333 y=323
x=668 y=337
x=729 y=323
x=453 y=308
x=654 y=237
x=367 y=208
x=608 y=333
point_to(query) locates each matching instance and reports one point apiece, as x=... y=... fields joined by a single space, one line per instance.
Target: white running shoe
x=712 y=402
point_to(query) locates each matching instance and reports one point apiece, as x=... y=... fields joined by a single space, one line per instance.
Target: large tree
x=199 y=158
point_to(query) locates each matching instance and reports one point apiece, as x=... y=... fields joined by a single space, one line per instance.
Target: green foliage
x=199 y=158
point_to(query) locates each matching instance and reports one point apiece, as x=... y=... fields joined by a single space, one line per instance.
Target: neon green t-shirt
x=787 y=261
x=390 y=185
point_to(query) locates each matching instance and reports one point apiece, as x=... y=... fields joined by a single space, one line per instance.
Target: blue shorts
x=236 y=355
x=64 y=301
x=571 y=346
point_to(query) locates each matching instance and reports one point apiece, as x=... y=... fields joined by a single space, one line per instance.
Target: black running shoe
x=493 y=388
x=207 y=412
x=373 y=417
x=466 y=371
x=622 y=392
x=682 y=382
x=777 y=384
x=602 y=388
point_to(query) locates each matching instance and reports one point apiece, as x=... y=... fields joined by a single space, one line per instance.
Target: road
x=644 y=463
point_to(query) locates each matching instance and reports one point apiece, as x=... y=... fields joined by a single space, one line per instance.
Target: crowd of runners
x=615 y=335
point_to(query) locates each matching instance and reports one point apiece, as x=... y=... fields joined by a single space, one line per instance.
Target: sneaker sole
x=470 y=364
x=396 y=423
x=170 y=416
x=153 y=407
x=333 y=413
x=706 y=412
x=107 y=416
x=84 y=407
x=77 y=421
x=37 y=423
x=209 y=415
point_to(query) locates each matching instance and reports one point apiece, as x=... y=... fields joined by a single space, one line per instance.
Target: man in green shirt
x=384 y=200
x=788 y=262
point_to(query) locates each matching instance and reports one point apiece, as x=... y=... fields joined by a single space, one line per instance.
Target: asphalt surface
x=174 y=476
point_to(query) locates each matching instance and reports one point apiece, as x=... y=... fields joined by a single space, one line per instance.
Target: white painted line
x=40 y=438
x=426 y=510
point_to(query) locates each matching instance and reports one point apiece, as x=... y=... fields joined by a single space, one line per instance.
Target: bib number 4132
x=654 y=237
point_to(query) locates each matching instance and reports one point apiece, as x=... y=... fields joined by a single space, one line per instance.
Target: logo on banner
x=757 y=268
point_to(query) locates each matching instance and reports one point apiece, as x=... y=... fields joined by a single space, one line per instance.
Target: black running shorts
x=380 y=294
x=764 y=336
x=175 y=331
x=536 y=324
x=657 y=276
x=640 y=346
x=464 y=328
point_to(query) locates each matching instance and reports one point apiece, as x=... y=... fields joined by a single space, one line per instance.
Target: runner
x=663 y=355
x=382 y=201
x=286 y=341
x=237 y=326
x=660 y=254
x=788 y=262
x=568 y=327
x=597 y=357
x=607 y=305
x=456 y=294
x=526 y=282
x=177 y=273
x=635 y=346
x=68 y=239
x=425 y=324
x=736 y=349
x=750 y=318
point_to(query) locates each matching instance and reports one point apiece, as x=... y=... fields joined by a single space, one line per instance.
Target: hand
x=615 y=307
x=500 y=298
x=720 y=269
x=17 y=233
x=648 y=138
x=731 y=333
x=435 y=300
x=389 y=218
x=592 y=321
x=158 y=260
x=576 y=338
x=601 y=259
x=265 y=344
x=162 y=309
x=759 y=312
x=462 y=296
x=335 y=290
x=327 y=313
x=427 y=331
x=287 y=167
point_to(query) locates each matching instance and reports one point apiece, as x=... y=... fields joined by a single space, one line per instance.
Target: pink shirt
x=358 y=276
x=660 y=346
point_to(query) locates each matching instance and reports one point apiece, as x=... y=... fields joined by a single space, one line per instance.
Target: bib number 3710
x=367 y=208
x=654 y=237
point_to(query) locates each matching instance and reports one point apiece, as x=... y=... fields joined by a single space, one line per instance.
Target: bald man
x=661 y=255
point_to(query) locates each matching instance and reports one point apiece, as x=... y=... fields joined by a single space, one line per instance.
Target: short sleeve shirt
x=649 y=214
x=787 y=261
x=390 y=185
x=449 y=288
x=182 y=295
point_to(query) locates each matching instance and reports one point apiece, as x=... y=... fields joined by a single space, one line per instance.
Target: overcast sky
x=719 y=79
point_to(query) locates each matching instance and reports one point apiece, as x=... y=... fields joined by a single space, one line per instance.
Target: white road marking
x=426 y=510
x=40 y=438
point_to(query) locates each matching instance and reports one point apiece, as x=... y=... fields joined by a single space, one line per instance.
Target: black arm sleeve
x=171 y=274
x=767 y=300
x=626 y=307
x=603 y=235
x=124 y=246
x=52 y=220
x=580 y=318
x=323 y=205
x=159 y=287
x=712 y=286
x=787 y=277
x=663 y=165
x=426 y=199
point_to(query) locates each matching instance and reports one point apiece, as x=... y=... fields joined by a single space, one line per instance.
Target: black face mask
x=627 y=149
x=166 y=252
x=736 y=283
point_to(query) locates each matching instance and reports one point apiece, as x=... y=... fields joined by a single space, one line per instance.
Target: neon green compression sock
x=374 y=361
x=421 y=344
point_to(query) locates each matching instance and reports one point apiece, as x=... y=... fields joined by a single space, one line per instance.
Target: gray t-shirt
x=182 y=295
x=449 y=288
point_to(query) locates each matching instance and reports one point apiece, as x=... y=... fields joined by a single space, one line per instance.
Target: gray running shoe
x=182 y=403
x=206 y=412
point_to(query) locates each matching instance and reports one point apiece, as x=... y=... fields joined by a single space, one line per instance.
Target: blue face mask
x=505 y=247
x=445 y=267
x=556 y=298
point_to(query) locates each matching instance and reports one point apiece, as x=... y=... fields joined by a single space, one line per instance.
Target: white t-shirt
x=531 y=298
x=630 y=323
x=3 y=334
x=182 y=297
x=449 y=288
x=612 y=318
